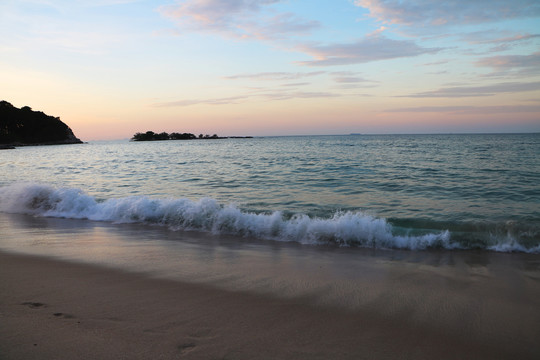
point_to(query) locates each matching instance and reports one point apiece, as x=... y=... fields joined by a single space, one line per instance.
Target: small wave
x=350 y=228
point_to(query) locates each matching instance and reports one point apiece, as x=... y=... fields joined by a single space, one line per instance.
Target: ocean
x=414 y=192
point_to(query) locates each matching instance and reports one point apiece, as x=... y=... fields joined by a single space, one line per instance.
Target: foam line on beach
x=350 y=228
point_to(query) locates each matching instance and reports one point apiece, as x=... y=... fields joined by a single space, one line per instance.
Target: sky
x=110 y=68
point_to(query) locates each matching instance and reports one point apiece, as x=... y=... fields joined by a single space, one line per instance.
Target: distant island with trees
x=20 y=127
x=152 y=136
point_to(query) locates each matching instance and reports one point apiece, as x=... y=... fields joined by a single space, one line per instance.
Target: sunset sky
x=110 y=68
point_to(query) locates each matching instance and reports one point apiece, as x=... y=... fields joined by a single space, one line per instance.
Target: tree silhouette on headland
x=27 y=127
x=152 y=136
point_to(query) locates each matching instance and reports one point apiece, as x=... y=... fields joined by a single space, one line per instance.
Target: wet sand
x=52 y=309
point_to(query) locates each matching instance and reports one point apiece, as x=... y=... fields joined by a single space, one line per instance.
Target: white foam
x=344 y=228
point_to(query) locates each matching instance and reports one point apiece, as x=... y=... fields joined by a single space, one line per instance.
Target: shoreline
x=51 y=309
x=10 y=146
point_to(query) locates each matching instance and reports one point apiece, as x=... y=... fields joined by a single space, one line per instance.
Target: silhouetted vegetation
x=152 y=136
x=27 y=127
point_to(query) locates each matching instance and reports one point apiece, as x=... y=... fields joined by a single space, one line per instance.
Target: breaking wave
x=351 y=228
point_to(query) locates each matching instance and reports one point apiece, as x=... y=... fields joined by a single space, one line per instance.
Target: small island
x=152 y=136
x=21 y=127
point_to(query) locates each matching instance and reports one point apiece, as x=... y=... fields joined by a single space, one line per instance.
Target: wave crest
x=350 y=228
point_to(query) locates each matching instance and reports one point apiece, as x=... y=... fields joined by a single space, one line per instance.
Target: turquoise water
x=389 y=191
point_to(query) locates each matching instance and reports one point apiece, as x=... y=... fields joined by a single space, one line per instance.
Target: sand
x=52 y=309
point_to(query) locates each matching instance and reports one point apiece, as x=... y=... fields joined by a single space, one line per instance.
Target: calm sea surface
x=387 y=191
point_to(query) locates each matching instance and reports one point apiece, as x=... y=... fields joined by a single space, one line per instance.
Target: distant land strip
x=152 y=136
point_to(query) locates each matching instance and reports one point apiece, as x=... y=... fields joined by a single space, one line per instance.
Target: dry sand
x=51 y=309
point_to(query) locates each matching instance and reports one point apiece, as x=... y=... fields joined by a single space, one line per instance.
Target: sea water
x=478 y=191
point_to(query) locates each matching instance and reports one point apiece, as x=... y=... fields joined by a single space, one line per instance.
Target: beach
x=53 y=309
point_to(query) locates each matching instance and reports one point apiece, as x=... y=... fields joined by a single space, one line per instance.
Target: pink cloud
x=237 y=18
x=370 y=48
x=275 y=75
x=474 y=91
x=429 y=13
x=511 y=61
x=266 y=95
x=507 y=109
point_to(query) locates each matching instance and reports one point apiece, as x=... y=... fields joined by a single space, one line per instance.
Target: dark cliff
x=27 y=127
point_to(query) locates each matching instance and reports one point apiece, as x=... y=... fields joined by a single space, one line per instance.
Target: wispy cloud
x=499 y=40
x=507 y=109
x=370 y=48
x=495 y=37
x=277 y=76
x=265 y=95
x=295 y=84
x=473 y=91
x=93 y=3
x=237 y=18
x=512 y=61
x=214 y=101
x=350 y=79
x=428 y=13
x=298 y=95
x=259 y=19
x=436 y=63
x=279 y=26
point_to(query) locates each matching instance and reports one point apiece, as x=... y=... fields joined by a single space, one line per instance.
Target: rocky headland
x=22 y=127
